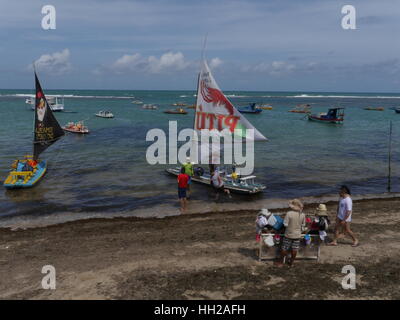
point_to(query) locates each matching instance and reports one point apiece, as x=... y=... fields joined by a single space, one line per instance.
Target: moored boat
x=27 y=172
x=265 y=107
x=176 y=111
x=301 y=108
x=334 y=115
x=104 y=114
x=244 y=185
x=137 y=102
x=211 y=103
x=78 y=127
x=149 y=107
x=252 y=108
x=374 y=108
x=56 y=103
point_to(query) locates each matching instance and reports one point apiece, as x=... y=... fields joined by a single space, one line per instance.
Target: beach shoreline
x=196 y=256
x=172 y=209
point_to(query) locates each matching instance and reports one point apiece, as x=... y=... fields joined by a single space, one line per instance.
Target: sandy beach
x=199 y=256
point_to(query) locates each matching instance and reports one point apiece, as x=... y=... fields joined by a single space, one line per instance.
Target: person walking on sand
x=190 y=172
x=343 y=218
x=183 y=180
x=294 y=222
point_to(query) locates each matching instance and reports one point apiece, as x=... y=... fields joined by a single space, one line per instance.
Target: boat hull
x=250 y=111
x=322 y=120
x=233 y=187
x=54 y=108
x=22 y=181
x=106 y=117
x=86 y=131
x=174 y=112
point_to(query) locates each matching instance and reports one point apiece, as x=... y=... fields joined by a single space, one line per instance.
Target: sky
x=256 y=45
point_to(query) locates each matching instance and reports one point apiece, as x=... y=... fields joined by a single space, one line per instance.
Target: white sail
x=215 y=111
x=217 y=115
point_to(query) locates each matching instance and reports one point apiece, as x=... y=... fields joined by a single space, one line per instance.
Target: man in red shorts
x=183 y=180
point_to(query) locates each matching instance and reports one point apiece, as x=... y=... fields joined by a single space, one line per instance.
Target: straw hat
x=296 y=205
x=321 y=210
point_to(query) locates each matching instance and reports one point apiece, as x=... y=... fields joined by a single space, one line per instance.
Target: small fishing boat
x=265 y=107
x=252 y=108
x=176 y=111
x=375 y=108
x=179 y=104
x=149 y=107
x=137 y=102
x=334 y=115
x=78 y=127
x=301 y=108
x=243 y=185
x=104 y=114
x=27 y=172
x=56 y=103
x=213 y=104
x=193 y=106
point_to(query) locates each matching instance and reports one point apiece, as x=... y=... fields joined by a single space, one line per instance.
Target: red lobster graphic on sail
x=215 y=96
x=211 y=120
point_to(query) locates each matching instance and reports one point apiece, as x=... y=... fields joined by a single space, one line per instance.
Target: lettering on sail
x=44 y=133
x=206 y=120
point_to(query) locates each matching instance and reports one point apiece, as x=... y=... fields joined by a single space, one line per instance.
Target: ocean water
x=105 y=173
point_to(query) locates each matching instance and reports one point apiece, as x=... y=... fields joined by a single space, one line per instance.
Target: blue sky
x=276 y=45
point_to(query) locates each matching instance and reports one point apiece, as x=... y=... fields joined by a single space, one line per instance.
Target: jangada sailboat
x=27 y=172
x=215 y=111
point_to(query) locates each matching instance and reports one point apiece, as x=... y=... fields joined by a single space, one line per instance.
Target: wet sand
x=196 y=256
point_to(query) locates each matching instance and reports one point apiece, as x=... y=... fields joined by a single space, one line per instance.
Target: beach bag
x=323 y=223
x=272 y=220
x=261 y=223
x=278 y=224
x=269 y=241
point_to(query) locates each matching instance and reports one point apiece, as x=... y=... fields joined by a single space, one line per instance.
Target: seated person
x=27 y=167
x=198 y=171
x=32 y=163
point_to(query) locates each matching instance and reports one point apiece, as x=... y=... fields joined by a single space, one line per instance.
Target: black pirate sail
x=46 y=129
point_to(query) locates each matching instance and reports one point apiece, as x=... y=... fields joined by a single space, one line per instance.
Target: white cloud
x=273 y=68
x=167 y=62
x=127 y=63
x=56 y=63
x=215 y=63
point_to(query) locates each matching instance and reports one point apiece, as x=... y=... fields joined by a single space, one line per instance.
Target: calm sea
x=105 y=173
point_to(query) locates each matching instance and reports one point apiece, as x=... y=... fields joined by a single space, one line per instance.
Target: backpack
x=323 y=223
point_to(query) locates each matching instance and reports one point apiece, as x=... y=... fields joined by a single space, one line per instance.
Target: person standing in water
x=343 y=218
x=190 y=172
x=218 y=185
x=183 y=180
